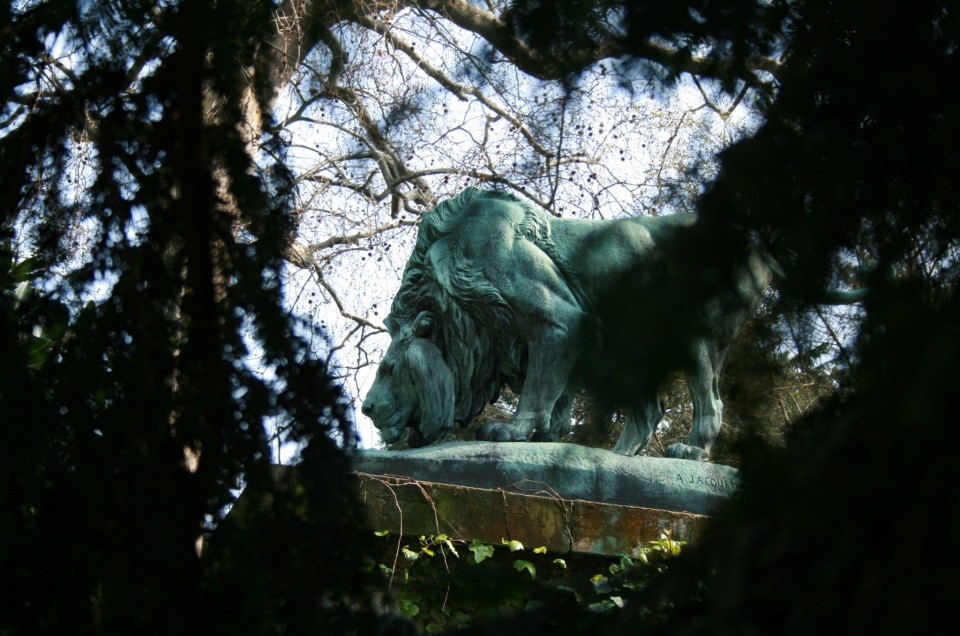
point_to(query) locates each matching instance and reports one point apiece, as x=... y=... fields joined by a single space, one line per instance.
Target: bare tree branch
x=461 y=91
x=354 y=239
x=495 y=30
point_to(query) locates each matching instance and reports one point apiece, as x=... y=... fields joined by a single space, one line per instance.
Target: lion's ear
x=434 y=384
x=423 y=324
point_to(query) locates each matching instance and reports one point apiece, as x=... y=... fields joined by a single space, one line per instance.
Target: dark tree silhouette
x=856 y=160
x=127 y=420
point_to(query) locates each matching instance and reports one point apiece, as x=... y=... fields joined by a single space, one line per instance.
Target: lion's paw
x=685 y=451
x=492 y=432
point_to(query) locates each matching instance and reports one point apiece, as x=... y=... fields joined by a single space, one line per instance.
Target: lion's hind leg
x=703 y=379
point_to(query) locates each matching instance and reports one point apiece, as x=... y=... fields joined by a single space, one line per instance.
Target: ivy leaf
x=513 y=544
x=601 y=584
x=541 y=550
x=410 y=554
x=520 y=565
x=381 y=533
x=408 y=609
x=480 y=550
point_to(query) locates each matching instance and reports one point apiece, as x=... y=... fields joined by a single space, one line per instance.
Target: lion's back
x=597 y=254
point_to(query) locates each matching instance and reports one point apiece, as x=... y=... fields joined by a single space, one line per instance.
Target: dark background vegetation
x=848 y=526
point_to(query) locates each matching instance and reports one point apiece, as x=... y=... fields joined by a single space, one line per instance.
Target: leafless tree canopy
x=388 y=106
x=394 y=105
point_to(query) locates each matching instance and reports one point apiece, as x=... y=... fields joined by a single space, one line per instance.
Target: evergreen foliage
x=128 y=419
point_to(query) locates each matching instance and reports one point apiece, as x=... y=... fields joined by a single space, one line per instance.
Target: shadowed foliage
x=128 y=419
x=856 y=159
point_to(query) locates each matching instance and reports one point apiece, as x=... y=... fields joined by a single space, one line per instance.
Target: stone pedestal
x=569 y=471
x=568 y=498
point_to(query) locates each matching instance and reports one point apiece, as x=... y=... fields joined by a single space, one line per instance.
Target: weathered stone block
x=568 y=471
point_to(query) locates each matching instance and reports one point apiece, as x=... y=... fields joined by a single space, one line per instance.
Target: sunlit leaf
x=513 y=544
x=480 y=550
x=520 y=565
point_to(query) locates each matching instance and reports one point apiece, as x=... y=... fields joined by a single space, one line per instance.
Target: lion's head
x=414 y=387
x=454 y=337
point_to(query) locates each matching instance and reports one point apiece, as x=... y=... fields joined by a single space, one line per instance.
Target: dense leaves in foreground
x=856 y=159
x=128 y=420
x=839 y=529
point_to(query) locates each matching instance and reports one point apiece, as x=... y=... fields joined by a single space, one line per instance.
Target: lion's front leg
x=549 y=320
x=550 y=363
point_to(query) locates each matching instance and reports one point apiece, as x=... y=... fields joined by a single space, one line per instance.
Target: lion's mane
x=477 y=330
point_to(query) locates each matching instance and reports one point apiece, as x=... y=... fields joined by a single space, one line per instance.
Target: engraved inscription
x=717 y=483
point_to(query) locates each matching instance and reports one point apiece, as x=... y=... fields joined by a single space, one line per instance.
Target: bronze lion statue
x=498 y=292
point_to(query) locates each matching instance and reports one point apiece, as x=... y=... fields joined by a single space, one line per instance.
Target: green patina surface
x=568 y=471
x=568 y=498
x=498 y=292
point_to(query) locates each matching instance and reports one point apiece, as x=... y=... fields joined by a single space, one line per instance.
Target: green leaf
x=410 y=554
x=22 y=293
x=541 y=550
x=601 y=584
x=561 y=563
x=520 y=565
x=26 y=269
x=601 y=606
x=449 y=544
x=513 y=544
x=37 y=352
x=480 y=550
x=381 y=533
x=408 y=609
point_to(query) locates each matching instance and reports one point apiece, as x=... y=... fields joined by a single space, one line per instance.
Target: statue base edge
x=566 y=471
